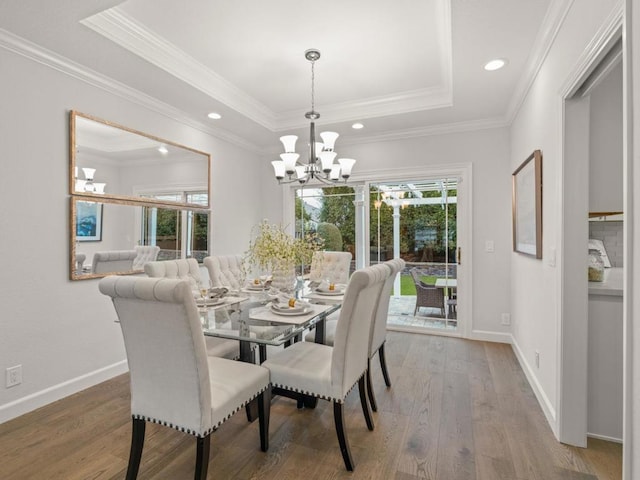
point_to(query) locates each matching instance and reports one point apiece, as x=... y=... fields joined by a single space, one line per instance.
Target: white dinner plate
x=330 y=292
x=256 y=288
x=286 y=308
x=209 y=302
x=290 y=311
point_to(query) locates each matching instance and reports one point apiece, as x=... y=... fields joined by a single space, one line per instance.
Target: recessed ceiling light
x=163 y=149
x=496 y=64
x=214 y=116
x=357 y=126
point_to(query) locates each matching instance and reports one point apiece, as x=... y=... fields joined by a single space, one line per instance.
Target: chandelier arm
x=326 y=181
x=290 y=180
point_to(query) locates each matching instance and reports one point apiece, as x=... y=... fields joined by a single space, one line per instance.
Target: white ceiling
x=402 y=68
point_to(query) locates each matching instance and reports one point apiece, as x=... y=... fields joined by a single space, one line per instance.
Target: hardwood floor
x=457 y=410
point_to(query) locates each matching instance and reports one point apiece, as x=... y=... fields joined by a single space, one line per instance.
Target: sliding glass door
x=416 y=220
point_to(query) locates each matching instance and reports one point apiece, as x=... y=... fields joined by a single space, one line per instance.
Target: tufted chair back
x=113 y=261
x=379 y=331
x=144 y=254
x=165 y=350
x=225 y=270
x=173 y=380
x=353 y=331
x=329 y=265
x=182 y=269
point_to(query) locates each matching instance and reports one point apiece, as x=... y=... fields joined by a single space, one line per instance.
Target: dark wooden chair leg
x=262 y=349
x=372 y=396
x=137 y=442
x=338 y=418
x=383 y=365
x=264 y=411
x=202 y=457
x=362 y=388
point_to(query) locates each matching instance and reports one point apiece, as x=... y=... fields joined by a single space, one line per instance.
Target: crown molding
x=125 y=31
x=36 y=53
x=442 y=129
x=547 y=34
x=609 y=32
x=405 y=102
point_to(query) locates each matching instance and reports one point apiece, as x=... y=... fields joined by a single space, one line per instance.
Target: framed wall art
x=89 y=221
x=527 y=206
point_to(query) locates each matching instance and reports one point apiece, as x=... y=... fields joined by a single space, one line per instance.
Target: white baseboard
x=543 y=400
x=487 y=336
x=604 y=437
x=48 y=395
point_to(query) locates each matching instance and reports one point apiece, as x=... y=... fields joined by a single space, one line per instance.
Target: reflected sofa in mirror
x=131 y=234
x=113 y=161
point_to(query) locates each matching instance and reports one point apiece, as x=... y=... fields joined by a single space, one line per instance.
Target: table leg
x=321 y=335
x=262 y=349
x=247 y=355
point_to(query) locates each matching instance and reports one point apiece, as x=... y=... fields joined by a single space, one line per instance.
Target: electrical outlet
x=537 y=359
x=14 y=376
x=505 y=319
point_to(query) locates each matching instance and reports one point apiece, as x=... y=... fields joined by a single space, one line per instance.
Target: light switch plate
x=489 y=246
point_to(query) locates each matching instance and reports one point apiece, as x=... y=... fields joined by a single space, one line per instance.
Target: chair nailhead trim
x=192 y=432
x=313 y=394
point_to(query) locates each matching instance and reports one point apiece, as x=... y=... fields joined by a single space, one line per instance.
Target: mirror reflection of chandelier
x=321 y=164
x=87 y=184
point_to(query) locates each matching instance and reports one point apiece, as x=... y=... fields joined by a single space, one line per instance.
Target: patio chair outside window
x=427 y=295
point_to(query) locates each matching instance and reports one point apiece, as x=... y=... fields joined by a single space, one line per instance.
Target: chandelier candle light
x=321 y=164
x=88 y=185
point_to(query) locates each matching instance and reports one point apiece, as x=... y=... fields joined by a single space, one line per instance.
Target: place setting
x=259 y=284
x=210 y=297
x=284 y=305
x=330 y=289
x=286 y=309
x=326 y=292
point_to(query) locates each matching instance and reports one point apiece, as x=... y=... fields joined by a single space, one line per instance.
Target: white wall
x=631 y=303
x=63 y=332
x=535 y=287
x=605 y=145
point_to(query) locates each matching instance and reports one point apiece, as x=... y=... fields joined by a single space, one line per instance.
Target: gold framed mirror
x=118 y=237
x=108 y=160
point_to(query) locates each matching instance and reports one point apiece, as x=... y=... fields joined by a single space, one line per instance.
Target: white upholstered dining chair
x=334 y=267
x=379 y=330
x=225 y=271
x=173 y=380
x=145 y=254
x=330 y=373
x=113 y=261
x=328 y=265
x=188 y=269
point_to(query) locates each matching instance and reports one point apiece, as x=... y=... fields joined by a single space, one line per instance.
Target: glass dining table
x=249 y=316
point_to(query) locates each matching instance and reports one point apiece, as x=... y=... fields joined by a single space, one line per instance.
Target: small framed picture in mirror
x=88 y=221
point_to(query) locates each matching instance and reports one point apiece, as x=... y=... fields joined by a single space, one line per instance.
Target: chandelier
x=88 y=185
x=321 y=164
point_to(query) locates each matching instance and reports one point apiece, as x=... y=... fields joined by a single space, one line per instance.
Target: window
x=178 y=233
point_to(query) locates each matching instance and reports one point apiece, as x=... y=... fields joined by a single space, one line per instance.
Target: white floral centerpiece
x=273 y=250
